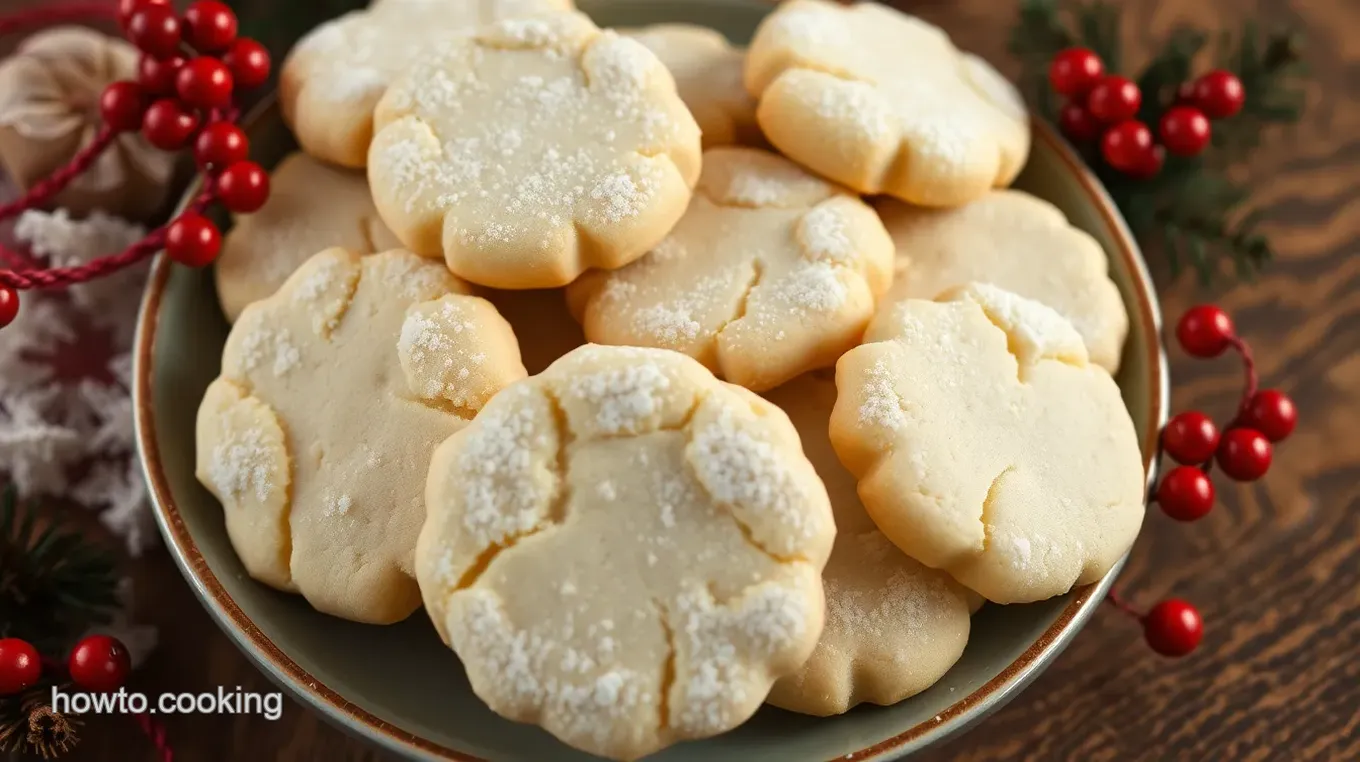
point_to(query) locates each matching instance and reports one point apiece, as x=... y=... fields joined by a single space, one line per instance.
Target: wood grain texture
x=1275 y=569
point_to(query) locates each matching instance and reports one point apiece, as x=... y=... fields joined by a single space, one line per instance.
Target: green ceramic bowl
x=401 y=688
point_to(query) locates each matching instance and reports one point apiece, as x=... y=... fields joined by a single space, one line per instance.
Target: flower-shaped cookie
x=1016 y=242
x=532 y=151
x=336 y=74
x=893 y=626
x=625 y=550
x=884 y=103
x=317 y=436
x=708 y=75
x=987 y=445
x=771 y=272
x=312 y=206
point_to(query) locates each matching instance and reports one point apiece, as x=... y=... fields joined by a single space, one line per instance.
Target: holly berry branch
x=193 y=68
x=1173 y=186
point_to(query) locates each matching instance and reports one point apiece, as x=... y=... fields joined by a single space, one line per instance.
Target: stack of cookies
x=669 y=378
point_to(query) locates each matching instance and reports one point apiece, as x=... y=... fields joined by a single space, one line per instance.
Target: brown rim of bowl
x=267 y=654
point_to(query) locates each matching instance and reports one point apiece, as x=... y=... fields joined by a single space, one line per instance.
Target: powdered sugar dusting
x=530 y=668
x=242 y=464
x=723 y=642
x=442 y=352
x=751 y=476
x=269 y=346
x=1035 y=330
x=825 y=234
x=881 y=405
x=627 y=398
x=505 y=487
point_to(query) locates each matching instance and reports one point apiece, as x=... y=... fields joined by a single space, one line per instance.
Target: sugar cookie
x=988 y=446
x=317 y=436
x=708 y=76
x=883 y=102
x=893 y=626
x=625 y=550
x=771 y=272
x=1016 y=242
x=532 y=151
x=335 y=75
x=312 y=206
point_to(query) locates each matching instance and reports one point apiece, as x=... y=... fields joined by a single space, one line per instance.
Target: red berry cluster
x=1104 y=106
x=190 y=69
x=1243 y=450
x=97 y=664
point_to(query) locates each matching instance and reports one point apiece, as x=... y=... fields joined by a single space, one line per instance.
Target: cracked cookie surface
x=317 y=435
x=893 y=626
x=336 y=74
x=625 y=550
x=533 y=150
x=987 y=445
x=1016 y=242
x=884 y=103
x=708 y=76
x=771 y=272
x=311 y=207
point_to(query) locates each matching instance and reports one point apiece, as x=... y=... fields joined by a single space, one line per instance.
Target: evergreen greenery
x=1193 y=208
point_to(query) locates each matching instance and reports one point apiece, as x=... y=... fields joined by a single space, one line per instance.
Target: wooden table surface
x=1275 y=569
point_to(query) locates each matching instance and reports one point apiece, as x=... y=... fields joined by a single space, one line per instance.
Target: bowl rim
x=963 y=713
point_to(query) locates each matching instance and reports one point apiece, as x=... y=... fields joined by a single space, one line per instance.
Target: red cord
x=57 y=277
x=56 y=14
x=156 y=733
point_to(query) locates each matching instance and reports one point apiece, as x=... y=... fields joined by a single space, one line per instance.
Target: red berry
x=1184 y=130
x=1173 y=628
x=155 y=30
x=167 y=125
x=9 y=305
x=1190 y=438
x=220 y=144
x=193 y=240
x=1219 y=94
x=157 y=76
x=1077 y=123
x=1271 y=412
x=128 y=7
x=211 y=26
x=1185 y=493
x=99 y=663
x=122 y=106
x=248 y=61
x=1074 y=71
x=1127 y=146
x=1151 y=164
x=1244 y=454
x=1205 y=331
x=204 y=83
x=20 y=666
x=243 y=187
x=1114 y=99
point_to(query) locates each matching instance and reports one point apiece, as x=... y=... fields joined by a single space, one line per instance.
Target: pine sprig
x=53 y=583
x=1193 y=208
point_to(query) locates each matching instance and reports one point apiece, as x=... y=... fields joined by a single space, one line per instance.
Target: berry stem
x=1249 y=373
x=1115 y=599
